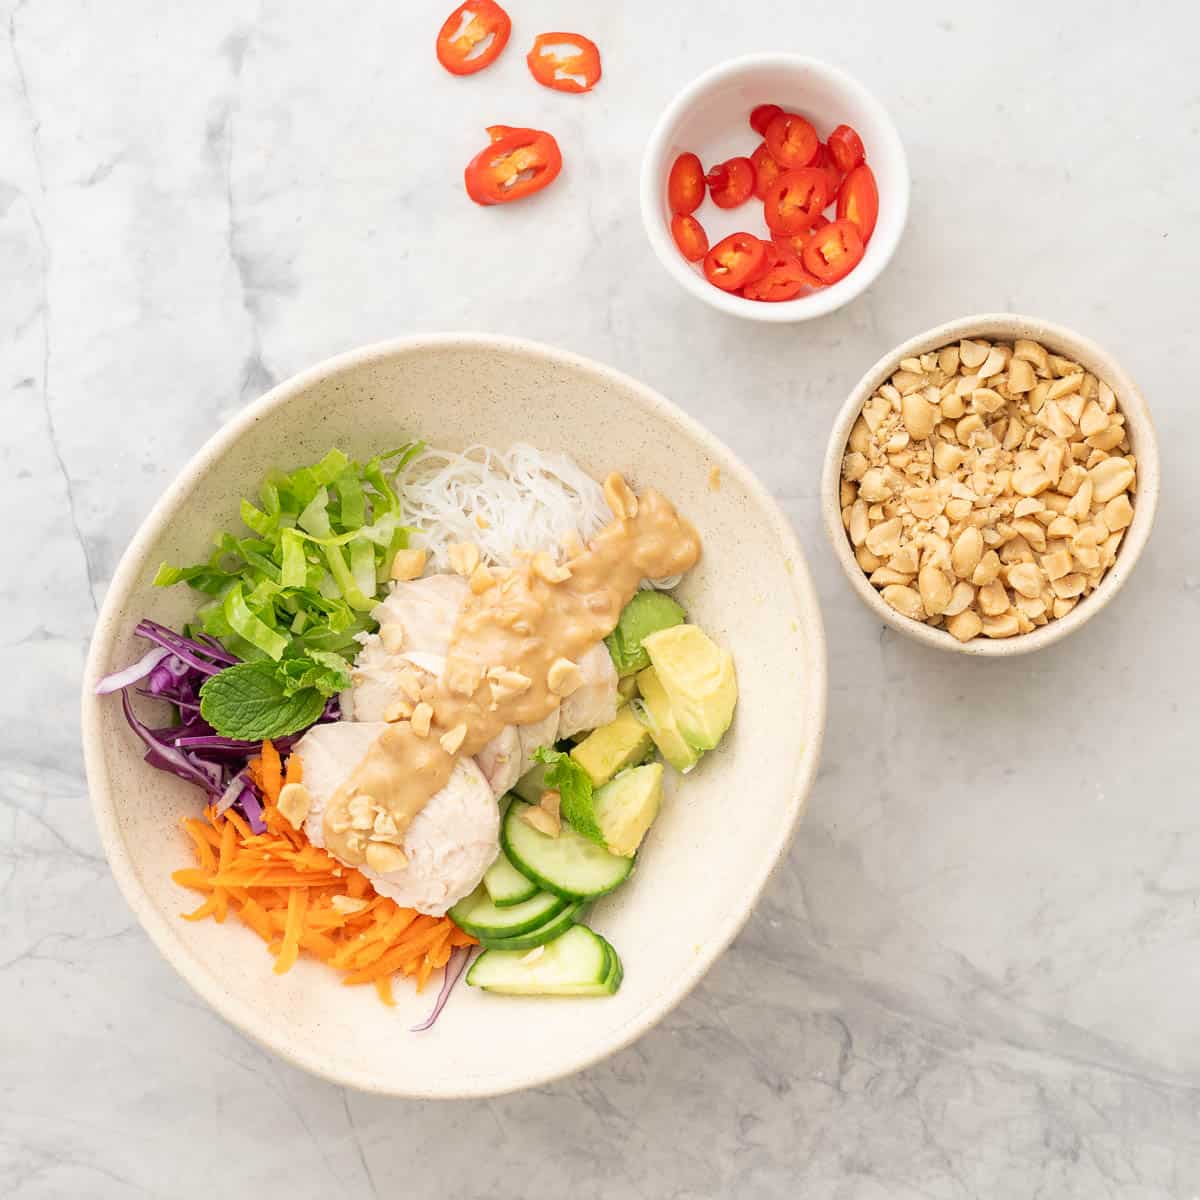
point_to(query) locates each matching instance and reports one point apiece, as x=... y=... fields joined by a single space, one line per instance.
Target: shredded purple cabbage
x=192 y=750
x=251 y=807
x=161 y=754
x=455 y=966
x=119 y=680
x=196 y=652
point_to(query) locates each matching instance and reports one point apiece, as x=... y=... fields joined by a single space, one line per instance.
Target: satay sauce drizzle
x=523 y=624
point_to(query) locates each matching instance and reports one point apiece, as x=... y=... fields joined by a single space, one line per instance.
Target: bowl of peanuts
x=990 y=484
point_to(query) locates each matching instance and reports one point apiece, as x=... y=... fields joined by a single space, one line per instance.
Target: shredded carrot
x=297 y=903
x=283 y=888
x=295 y=770
x=272 y=772
x=254 y=770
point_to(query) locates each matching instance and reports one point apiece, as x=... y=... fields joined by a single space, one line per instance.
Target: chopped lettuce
x=303 y=584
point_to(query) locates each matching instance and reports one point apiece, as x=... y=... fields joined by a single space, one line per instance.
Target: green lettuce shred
x=298 y=588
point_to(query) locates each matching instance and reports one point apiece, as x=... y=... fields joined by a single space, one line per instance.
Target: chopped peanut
x=408 y=564
x=986 y=487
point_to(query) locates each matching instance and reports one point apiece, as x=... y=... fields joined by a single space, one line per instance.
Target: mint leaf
x=574 y=787
x=328 y=673
x=248 y=701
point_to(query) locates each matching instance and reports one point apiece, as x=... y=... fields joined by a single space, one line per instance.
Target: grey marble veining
x=978 y=972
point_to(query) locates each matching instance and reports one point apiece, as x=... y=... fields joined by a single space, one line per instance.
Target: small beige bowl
x=1058 y=340
x=721 y=832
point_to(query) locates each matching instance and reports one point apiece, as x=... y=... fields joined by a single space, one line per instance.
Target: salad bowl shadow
x=722 y=829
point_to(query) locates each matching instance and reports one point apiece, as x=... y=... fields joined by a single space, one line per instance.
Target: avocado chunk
x=648 y=612
x=626 y=806
x=613 y=747
x=626 y=689
x=699 y=680
x=660 y=720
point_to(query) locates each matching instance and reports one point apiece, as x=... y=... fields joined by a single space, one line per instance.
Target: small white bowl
x=1058 y=340
x=710 y=118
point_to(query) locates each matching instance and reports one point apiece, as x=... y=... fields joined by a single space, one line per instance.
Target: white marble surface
x=978 y=972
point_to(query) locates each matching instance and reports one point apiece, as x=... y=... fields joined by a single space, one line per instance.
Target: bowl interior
x=721 y=831
x=1143 y=444
x=711 y=119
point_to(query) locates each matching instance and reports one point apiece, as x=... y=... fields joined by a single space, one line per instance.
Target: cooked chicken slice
x=415 y=625
x=594 y=702
x=377 y=676
x=451 y=841
x=510 y=753
x=500 y=760
x=329 y=753
x=540 y=733
x=425 y=611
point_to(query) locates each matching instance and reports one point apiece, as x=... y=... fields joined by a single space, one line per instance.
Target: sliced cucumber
x=568 y=865
x=577 y=963
x=557 y=924
x=506 y=885
x=478 y=916
x=616 y=971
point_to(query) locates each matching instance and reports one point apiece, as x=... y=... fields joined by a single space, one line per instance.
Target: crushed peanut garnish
x=408 y=564
x=986 y=487
x=463 y=556
x=295 y=803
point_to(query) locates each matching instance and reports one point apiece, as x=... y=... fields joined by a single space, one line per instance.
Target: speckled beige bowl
x=721 y=832
x=1057 y=340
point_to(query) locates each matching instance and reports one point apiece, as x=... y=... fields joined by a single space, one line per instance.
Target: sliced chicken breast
x=594 y=702
x=509 y=755
x=449 y=845
x=500 y=760
x=376 y=677
x=426 y=610
x=540 y=733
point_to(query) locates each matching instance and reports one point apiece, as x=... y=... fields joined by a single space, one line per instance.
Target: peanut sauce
x=513 y=655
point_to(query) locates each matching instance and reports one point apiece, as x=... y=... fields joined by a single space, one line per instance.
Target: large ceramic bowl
x=721 y=832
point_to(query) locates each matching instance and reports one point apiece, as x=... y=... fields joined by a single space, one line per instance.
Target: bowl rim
x=245 y=1016
x=804 y=308
x=1130 y=401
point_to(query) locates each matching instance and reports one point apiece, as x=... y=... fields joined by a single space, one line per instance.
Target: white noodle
x=528 y=500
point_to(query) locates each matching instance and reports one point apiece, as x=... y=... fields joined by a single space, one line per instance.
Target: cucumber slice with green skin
x=568 y=865
x=539 y=936
x=577 y=963
x=477 y=915
x=506 y=886
x=616 y=971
